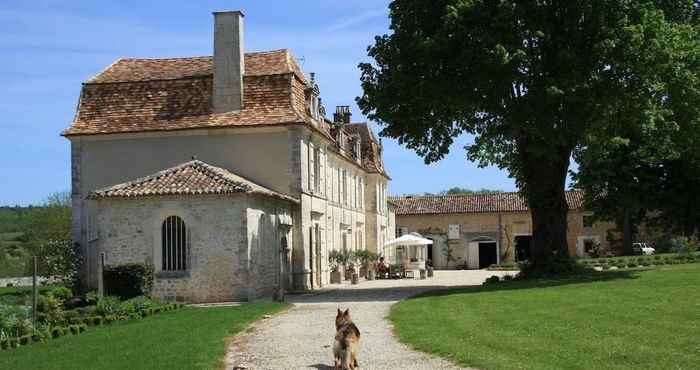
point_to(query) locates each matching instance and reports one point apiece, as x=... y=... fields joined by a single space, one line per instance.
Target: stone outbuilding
x=210 y=235
x=479 y=229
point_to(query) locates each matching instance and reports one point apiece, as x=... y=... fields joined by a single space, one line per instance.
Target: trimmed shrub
x=97 y=320
x=62 y=293
x=56 y=332
x=25 y=339
x=507 y=277
x=109 y=305
x=492 y=279
x=128 y=280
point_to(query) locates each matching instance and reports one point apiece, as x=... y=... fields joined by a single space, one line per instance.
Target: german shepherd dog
x=347 y=342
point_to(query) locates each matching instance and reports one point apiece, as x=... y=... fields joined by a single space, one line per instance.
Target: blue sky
x=47 y=48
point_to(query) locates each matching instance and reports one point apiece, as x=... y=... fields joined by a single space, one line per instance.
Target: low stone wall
x=24 y=281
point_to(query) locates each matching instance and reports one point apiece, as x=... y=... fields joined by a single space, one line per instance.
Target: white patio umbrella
x=408 y=239
x=412 y=239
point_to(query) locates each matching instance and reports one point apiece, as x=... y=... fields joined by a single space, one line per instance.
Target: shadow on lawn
x=376 y=294
x=586 y=278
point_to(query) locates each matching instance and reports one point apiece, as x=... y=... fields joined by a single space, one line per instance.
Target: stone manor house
x=486 y=229
x=222 y=172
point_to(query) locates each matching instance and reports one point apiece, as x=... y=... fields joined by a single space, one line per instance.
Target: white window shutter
x=312 y=167
x=322 y=170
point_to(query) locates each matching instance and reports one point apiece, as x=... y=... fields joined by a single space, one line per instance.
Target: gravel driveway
x=301 y=338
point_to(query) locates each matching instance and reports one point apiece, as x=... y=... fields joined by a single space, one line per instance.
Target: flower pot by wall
x=348 y=273
x=363 y=271
x=336 y=277
x=355 y=278
x=371 y=275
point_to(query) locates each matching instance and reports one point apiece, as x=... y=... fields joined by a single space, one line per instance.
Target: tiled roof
x=371 y=156
x=148 y=69
x=140 y=95
x=472 y=203
x=190 y=178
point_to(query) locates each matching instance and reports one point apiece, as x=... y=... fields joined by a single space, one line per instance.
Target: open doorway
x=487 y=254
x=522 y=247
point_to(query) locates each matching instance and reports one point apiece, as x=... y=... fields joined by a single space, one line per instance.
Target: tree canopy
x=537 y=83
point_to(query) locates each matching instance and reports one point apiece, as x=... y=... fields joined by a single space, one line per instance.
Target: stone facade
x=505 y=230
x=233 y=243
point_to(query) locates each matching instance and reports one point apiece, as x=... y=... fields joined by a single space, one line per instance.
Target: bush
x=61 y=293
x=96 y=321
x=25 y=340
x=56 y=332
x=50 y=309
x=110 y=319
x=108 y=306
x=507 y=277
x=14 y=342
x=4 y=343
x=128 y=280
x=74 y=329
x=492 y=279
x=685 y=246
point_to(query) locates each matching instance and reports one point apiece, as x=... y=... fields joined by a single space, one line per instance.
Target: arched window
x=174 y=241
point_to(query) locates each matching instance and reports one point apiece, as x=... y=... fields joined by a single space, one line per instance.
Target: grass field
x=639 y=319
x=14 y=257
x=192 y=338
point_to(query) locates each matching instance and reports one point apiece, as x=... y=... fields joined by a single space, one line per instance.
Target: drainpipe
x=500 y=239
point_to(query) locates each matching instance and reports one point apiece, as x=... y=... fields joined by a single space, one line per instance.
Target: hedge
x=129 y=280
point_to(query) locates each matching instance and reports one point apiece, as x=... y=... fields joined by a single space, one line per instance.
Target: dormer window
x=357 y=149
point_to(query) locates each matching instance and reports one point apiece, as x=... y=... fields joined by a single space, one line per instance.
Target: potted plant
x=335 y=261
x=369 y=259
x=353 y=272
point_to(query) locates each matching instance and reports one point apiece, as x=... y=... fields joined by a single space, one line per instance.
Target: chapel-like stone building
x=222 y=172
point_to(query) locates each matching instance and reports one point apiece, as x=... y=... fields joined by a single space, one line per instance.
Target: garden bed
x=57 y=318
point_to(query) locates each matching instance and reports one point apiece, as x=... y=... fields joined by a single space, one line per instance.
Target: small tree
x=448 y=252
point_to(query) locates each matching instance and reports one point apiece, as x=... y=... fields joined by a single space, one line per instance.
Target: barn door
x=473 y=255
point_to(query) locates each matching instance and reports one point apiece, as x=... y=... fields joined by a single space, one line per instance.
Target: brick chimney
x=342 y=115
x=229 y=65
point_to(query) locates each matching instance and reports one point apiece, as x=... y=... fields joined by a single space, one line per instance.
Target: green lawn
x=643 y=319
x=192 y=338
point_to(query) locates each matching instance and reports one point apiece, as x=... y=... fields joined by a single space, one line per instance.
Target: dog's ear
x=340 y=313
x=347 y=312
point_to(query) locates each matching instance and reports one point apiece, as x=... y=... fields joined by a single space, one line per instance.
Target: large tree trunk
x=627 y=232
x=544 y=184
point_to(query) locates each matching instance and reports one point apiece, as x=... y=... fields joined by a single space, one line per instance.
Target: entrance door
x=473 y=255
x=487 y=254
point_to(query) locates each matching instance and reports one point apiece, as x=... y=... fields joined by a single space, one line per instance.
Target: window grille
x=174 y=242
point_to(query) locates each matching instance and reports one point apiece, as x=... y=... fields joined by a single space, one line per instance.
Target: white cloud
x=347 y=22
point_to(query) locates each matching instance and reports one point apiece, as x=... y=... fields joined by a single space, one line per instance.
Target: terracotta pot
x=355 y=278
x=363 y=271
x=336 y=277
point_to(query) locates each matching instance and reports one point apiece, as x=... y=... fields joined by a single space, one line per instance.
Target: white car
x=643 y=248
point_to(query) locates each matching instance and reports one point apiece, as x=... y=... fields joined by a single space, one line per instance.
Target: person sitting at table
x=382 y=268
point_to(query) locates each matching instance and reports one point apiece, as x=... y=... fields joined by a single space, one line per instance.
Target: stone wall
x=129 y=230
x=502 y=228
